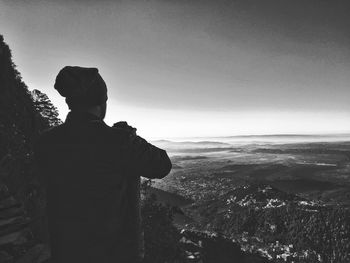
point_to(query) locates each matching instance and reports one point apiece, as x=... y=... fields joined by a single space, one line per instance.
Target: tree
x=45 y=108
x=161 y=238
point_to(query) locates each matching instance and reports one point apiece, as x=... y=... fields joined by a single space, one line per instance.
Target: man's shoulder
x=124 y=137
x=100 y=132
x=49 y=133
x=118 y=133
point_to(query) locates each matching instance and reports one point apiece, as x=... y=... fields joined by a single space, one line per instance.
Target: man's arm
x=146 y=159
x=143 y=158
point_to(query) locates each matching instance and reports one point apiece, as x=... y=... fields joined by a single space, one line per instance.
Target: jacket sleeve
x=146 y=159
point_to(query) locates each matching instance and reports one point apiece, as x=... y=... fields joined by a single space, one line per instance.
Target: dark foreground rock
x=17 y=243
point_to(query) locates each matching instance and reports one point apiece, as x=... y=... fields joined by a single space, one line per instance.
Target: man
x=92 y=175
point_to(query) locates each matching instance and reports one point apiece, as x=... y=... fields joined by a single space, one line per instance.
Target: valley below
x=286 y=198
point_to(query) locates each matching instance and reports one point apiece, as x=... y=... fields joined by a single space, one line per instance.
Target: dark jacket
x=92 y=176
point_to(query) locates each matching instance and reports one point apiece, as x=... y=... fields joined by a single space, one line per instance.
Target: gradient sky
x=195 y=68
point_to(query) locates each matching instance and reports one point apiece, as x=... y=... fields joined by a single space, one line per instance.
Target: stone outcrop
x=17 y=243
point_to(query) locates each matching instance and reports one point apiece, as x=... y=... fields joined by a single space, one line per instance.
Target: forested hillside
x=23 y=115
x=286 y=227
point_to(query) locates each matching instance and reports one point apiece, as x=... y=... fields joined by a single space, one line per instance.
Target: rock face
x=17 y=243
x=14 y=231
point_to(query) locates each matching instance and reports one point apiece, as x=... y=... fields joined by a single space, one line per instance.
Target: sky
x=182 y=68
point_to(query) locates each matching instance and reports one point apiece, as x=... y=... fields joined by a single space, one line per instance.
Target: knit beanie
x=81 y=86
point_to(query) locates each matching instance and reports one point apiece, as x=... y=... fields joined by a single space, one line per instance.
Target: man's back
x=92 y=173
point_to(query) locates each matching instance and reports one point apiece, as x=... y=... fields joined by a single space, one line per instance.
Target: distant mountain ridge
x=204 y=138
x=191 y=143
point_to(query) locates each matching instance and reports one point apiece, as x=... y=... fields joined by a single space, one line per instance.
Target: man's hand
x=124 y=125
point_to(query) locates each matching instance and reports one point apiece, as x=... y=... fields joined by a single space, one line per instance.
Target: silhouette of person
x=91 y=173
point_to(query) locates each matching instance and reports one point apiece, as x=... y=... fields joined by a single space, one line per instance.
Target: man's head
x=83 y=88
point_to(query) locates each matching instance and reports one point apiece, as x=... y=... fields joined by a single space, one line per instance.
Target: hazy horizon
x=195 y=68
x=326 y=137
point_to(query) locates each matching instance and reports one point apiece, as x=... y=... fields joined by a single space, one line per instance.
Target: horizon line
x=261 y=135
